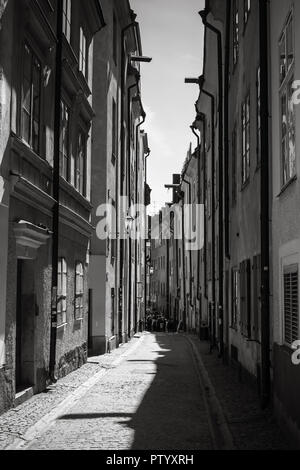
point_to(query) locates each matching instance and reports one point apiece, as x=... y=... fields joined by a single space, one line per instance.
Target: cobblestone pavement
x=150 y=397
x=250 y=427
x=152 y=400
x=17 y=421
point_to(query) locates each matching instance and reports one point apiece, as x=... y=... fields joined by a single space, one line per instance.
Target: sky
x=172 y=34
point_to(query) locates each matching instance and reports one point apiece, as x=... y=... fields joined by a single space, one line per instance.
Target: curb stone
x=221 y=434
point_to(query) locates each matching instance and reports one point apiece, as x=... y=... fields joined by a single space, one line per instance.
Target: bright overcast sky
x=172 y=34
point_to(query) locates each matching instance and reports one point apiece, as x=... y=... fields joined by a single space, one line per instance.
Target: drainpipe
x=202 y=118
x=265 y=240
x=131 y=87
x=184 y=273
x=146 y=239
x=133 y=24
x=203 y=15
x=213 y=223
x=56 y=178
x=226 y=129
x=136 y=195
x=199 y=202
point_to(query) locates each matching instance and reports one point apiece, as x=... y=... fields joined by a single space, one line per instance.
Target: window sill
x=287 y=185
x=62 y=326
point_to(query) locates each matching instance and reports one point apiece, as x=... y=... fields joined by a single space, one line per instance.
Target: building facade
x=45 y=124
x=120 y=148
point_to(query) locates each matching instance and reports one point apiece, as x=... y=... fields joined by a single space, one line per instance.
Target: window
x=256 y=297
x=235 y=31
x=246 y=140
x=31 y=99
x=83 y=56
x=235 y=297
x=114 y=130
x=65 y=142
x=67 y=19
x=80 y=164
x=234 y=164
x=258 y=116
x=291 y=304
x=247 y=8
x=62 y=292
x=115 y=39
x=287 y=113
x=79 y=290
x=245 y=298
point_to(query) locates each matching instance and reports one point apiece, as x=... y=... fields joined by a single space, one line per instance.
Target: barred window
x=79 y=290
x=62 y=292
x=31 y=99
x=291 y=304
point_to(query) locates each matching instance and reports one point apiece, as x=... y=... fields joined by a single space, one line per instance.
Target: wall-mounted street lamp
x=140 y=58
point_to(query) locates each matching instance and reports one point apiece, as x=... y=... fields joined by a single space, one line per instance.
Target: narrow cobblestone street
x=159 y=392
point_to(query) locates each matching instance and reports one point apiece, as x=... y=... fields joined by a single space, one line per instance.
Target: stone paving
x=15 y=422
x=151 y=401
x=149 y=398
x=251 y=428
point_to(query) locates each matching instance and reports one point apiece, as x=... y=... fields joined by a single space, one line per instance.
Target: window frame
x=246 y=139
x=288 y=164
x=234 y=181
x=235 y=297
x=82 y=175
x=79 y=291
x=33 y=57
x=258 y=116
x=67 y=19
x=62 y=290
x=235 y=32
x=83 y=55
x=247 y=11
x=65 y=172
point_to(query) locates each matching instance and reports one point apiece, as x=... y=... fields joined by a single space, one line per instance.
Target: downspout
x=56 y=178
x=203 y=15
x=129 y=201
x=190 y=255
x=226 y=159
x=202 y=118
x=226 y=128
x=136 y=195
x=199 y=202
x=213 y=223
x=133 y=24
x=146 y=239
x=265 y=199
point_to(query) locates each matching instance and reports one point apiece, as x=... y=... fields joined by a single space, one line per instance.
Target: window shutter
x=243 y=297
x=291 y=304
